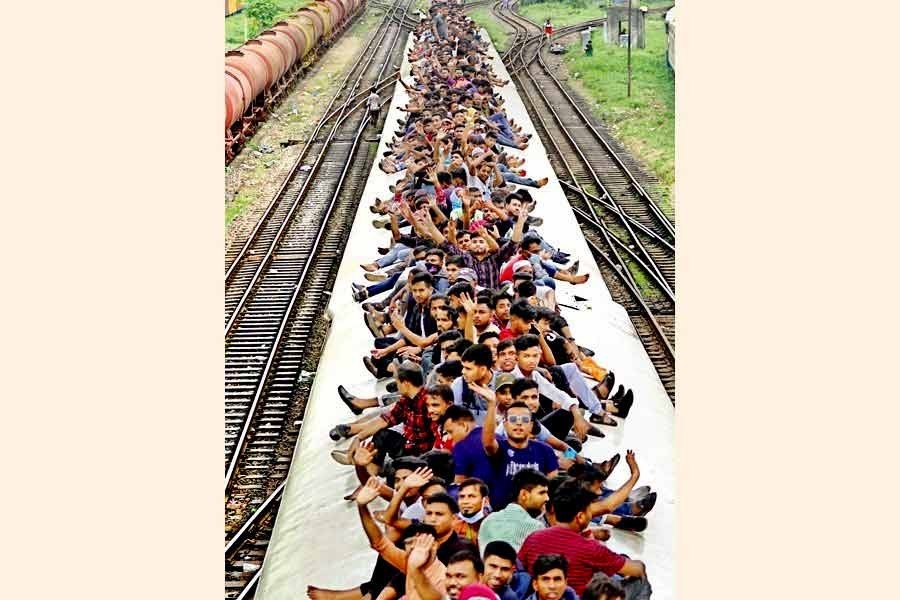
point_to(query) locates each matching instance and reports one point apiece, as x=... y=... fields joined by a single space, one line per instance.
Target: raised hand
x=467 y=303
x=485 y=392
x=418 y=478
x=421 y=551
x=368 y=492
x=632 y=462
x=364 y=454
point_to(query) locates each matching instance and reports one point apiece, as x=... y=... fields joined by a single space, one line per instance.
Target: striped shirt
x=511 y=525
x=586 y=556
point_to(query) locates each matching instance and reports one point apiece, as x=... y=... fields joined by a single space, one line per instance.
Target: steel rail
x=299 y=160
x=648 y=264
x=573 y=185
x=242 y=439
x=593 y=173
x=654 y=208
x=296 y=203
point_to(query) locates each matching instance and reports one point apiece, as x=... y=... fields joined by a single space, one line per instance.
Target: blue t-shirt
x=497 y=471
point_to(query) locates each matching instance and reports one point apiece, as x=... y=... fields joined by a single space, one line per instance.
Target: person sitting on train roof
x=602 y=587
x=417 y=320
x=474 y=507
x=549 y=581
x=420 y=534
x=522 y=515
x=410 y=410
x=512 y=453
x=571 y=509
x=463 y=568
x=499 y=567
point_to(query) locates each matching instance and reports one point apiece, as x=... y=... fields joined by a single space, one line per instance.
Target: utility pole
x=629 y=48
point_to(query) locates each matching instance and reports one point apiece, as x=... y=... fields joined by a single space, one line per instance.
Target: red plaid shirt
x=418 y=429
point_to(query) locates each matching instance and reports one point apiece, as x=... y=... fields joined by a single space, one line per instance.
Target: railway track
x=276 y=288
x=632 y=239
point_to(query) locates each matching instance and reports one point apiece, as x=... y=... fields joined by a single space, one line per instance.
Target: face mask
x=474 y=518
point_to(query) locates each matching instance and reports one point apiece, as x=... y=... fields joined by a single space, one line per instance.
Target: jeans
x=397 y=252
x=502 y=122
x=505 y=141
x=516 y=178
x=636 y=588
x=581 y=388
x=383 y=286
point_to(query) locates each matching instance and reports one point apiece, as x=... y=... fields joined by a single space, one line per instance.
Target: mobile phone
x=570 y=454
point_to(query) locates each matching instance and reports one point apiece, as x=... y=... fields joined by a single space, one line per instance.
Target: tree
x=261 y=14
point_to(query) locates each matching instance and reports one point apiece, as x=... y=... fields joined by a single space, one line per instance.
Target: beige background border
x=112 y=300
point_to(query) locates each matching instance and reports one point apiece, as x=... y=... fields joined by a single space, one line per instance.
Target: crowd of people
x=476 y=445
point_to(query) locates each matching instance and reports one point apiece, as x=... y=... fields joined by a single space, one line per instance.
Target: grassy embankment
x=645 y=122
x=495 y=28
x=234 y=25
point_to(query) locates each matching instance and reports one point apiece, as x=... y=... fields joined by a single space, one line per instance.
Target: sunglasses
x=519 y=419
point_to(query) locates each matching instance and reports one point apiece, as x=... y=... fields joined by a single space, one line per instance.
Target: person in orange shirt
x=428 y=568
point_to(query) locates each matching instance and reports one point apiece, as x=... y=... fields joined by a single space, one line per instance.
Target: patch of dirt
x=254 y=177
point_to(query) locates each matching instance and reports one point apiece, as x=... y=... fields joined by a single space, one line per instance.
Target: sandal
x=604 y=419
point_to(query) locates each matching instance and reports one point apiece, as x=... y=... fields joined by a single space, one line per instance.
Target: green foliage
x=261 y=13
x=564 y=13
x=645 y=122
x=495 y=28
x=236 y=24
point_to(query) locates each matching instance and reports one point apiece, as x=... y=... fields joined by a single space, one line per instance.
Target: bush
x=261 y=13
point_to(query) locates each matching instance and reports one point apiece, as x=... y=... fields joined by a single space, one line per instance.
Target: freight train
x=259 y=72
x=232 y=6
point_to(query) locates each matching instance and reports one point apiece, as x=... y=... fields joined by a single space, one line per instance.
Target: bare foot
x=323 y=594
x=576 y=279
x=542 y=182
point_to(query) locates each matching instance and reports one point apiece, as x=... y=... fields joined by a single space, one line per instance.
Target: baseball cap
x=503 y=379
x=467 y=274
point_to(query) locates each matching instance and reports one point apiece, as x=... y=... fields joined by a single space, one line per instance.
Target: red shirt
x=586 y=556
x=506 y=334
x=418 y=429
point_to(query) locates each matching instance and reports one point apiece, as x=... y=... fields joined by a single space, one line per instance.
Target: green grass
x=563 y=13
x=645 y=122
x=495 y=28
x=234 y=25
x=236 y=207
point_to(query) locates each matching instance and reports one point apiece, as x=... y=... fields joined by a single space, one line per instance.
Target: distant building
x=670 y=37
